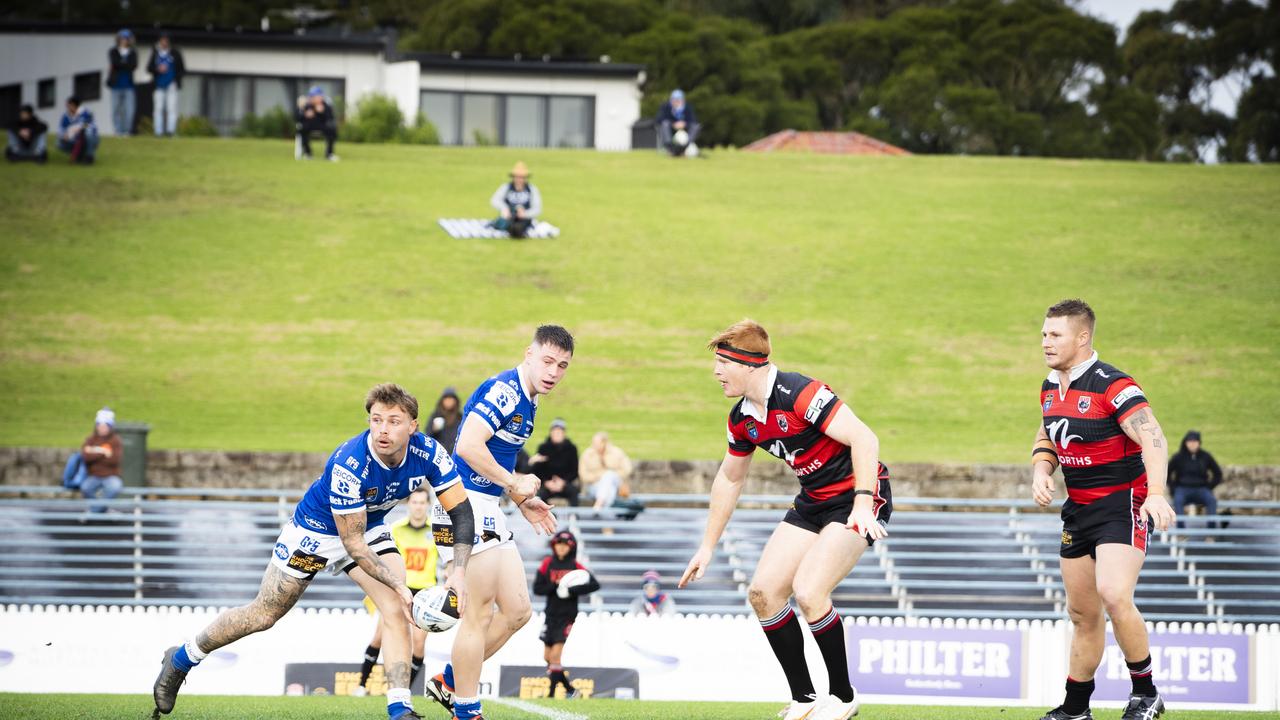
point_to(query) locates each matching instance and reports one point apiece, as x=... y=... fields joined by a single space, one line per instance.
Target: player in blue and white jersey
x=496 y=422
x=338 y=526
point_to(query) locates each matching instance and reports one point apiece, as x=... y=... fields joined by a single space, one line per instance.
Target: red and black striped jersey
x=1084 y=424
x=792 y=428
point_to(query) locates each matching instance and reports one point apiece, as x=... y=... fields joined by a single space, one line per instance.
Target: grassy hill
x=234 y=298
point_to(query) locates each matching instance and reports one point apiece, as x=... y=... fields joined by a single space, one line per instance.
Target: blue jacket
x=667 y=114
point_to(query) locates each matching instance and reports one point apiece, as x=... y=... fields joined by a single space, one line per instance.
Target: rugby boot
x=440 y=692
x=1059 y=714
x=1143 y=707
x=836 y=709
x=168 y=682
x=408 y=715
x=801 y=710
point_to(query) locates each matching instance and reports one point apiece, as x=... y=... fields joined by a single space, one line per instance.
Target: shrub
x=377 y=119
x=422 y=132
x=274 y=123
x=196 y=126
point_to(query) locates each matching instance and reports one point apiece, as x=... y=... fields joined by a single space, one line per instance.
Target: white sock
x=194 y=652
x=399 y=695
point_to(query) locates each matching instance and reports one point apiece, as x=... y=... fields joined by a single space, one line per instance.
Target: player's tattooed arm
x=1141 y=427
x=351 y=528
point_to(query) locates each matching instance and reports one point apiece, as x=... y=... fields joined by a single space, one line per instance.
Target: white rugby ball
x=574 y=578
x=435 y=609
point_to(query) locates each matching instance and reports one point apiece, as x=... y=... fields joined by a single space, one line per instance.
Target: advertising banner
x=531 y=681
x=337 y=679
x=937 y=662
x=1197 y=667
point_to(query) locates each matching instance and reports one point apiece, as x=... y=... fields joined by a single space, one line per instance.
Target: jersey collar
x=520 y=378
x=749 y=408
x=368 y=442
x=1076 y=372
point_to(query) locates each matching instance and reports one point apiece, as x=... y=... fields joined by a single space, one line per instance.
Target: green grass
x=210 y=707
x=233 y=298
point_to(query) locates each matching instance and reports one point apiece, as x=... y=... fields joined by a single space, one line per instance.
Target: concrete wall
x=28 y=59
x=280 y=470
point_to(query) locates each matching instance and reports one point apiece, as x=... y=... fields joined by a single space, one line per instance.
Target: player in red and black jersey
x=842 y=508
x=1098 y=426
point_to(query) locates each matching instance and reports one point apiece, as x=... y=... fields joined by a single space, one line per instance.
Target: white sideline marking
x=538 y=709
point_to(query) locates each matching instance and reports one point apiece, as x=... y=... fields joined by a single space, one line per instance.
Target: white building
x=526 y=103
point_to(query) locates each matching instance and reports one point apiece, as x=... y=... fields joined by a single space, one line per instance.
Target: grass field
x=197 y=707
x=233 y=298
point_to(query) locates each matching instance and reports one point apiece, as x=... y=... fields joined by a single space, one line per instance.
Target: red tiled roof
x=829 y=143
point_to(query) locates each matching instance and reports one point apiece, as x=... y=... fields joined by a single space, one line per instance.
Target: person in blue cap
x=678 y=125
x=123 y=60
x=167 y=68
x=316 y=116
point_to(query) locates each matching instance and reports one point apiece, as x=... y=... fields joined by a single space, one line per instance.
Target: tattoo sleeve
x=1143 y=423
x=464 y=531
x=352 y=528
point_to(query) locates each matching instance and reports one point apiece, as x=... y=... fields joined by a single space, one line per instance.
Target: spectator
x=316 y=116
x=1193 y=474
x=166 y=68
x=678 y=126
x=556 y=465
x=518 y=203
x=444 y=422
x=653 y=601
x=78 y=133
x=607 y=468
x=123 y=59
x=103 y=454
x=27 y=138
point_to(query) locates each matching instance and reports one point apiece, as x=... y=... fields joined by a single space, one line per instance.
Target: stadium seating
x=976 y=559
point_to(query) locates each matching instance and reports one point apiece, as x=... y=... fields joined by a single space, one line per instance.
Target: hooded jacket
x=103 y=465
x=553 y=569
x=447 y=434
x=1193 y=470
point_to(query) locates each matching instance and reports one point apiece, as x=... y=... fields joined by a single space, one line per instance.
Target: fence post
x=137 y=547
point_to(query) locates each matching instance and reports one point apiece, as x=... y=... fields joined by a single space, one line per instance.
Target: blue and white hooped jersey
x=501 y=403
x=355 y=480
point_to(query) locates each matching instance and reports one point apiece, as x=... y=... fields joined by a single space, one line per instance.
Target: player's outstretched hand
x=1042 y=487
x=538 y=513
x=863 y=521
x=1156 y=510
x=457 y=582
x=697 y=567
x=406 y=602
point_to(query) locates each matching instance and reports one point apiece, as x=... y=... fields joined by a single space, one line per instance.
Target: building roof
x=539 y=66
x=250 y=37
x=828 y=143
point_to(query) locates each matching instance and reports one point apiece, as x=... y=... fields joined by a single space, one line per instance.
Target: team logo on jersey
x=1083 y=404
x=782 y=423
x=1048 y=400
x=753 y=432
x=516 y=424
x=370 y=494
x=415 y=482
x=282 y=551
x=1059 y=434
x=1066 y=538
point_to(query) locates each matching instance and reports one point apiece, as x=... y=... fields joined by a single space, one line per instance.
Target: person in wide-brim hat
x=518 y=203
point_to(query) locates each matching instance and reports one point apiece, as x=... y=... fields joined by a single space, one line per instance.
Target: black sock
x=828 y=633
x=1140 y=674
x=370 y=659
x=1077 y=696
x=783 y=632
x=416 y=668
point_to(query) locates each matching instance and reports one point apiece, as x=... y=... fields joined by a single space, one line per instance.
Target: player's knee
x=517 y=617
x=761 y=601
x=1115 y=598
x=813 y=603
x=1083 y=617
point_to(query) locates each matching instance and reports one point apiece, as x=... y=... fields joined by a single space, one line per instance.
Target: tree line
x=999 y=77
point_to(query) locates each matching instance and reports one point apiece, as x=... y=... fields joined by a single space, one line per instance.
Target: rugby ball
x=680 y=138
x=574 y=578
x=435 y=609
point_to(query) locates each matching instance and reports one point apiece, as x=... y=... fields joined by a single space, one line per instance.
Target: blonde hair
x=746 y=334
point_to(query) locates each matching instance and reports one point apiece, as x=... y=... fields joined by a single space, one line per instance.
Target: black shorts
x=556 y=629
x=1111 y=519
x=811 y=515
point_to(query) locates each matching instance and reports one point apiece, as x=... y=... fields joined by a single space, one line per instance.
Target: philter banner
x=337 y=679
x=940 y=662
x=1186 y=666
x=530 y=681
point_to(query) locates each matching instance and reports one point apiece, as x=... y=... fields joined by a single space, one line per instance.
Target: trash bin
x=133 y=438
x=644 y=135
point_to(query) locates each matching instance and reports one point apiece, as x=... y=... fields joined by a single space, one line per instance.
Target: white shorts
x=302 y=553
x=491 y=526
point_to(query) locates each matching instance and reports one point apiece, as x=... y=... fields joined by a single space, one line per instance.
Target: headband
x=740 y=356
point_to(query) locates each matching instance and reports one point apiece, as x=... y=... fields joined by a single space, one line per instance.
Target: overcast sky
x=1122 y=12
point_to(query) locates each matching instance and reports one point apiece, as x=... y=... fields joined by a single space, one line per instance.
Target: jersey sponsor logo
x=442 y=461
x=1066 y=538
x=813 y=466
x=1048 y=401
x=778 y=449
x=1125 y=395
x=343 y=484
x=442 y=534
x=1073 y=461
x=392 y=488
x=480 y=480
x=1059 y=433
x=353 y=463
x=307 y=562
x=753 y=432
x=490 y=523
x=342 y=502
x=819 y=401
x=282 y=551
x=782 y=423
x=784 y=390
x=1082 y=404
x=312 y=522
x=309 y=544
x=370 y=494
x=420 y=452
x=1102 y=374
x=503 y=397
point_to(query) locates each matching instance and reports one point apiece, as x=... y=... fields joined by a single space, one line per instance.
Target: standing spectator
x=78 y=133
x=678 y=126
x=27 y=138
x=556 y=465
x=103 y=454
x=563 y=580
x=652 y=601
x=1193 y=474
x=444 y=422
x=316 y=116
x=123 y=59
x=166 y=68
x=518 y=203
x=607 y=468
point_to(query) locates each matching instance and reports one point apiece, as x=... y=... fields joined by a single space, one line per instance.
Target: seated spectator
x=678 y=126
x=653 y=601
x=607 y=469
x=78 y=133
x=518 y=203
x=445 y=419
x=1193 y=474
x=315 y=115
x=27 y=138
x=103 y=454
x=556 y=465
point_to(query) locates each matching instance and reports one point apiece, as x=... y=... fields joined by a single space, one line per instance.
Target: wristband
x=863 y=492
x=1051 y=451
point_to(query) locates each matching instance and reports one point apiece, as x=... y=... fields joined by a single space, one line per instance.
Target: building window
x=47 y=93
x=442 y=109
x=226 y=99
x=514 y=120
x=10 y=103
x=88 y=86
x=480 y=120
x=525 y=124
x=572 y=122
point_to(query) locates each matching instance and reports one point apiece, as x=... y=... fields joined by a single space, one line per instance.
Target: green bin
x=133 y=436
